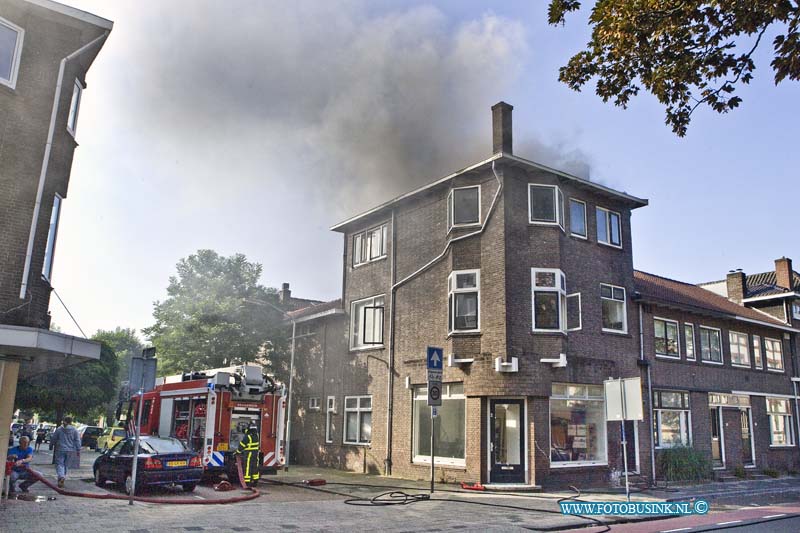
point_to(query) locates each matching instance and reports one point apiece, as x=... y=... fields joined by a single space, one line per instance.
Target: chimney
x=737 y=285
x=285 y=295
x=501 y=128
x=783 y=272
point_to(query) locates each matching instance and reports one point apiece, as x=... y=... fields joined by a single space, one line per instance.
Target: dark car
x=89 y=436
x=162 y=461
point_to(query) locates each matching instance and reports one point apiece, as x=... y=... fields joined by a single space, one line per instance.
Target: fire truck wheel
x=189 y=487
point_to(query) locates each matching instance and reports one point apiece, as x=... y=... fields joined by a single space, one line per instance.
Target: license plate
x=177 y=463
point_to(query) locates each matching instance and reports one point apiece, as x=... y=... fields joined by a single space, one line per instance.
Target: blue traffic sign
x=435 y=358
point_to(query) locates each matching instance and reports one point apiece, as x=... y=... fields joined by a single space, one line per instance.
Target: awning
x=42 y=350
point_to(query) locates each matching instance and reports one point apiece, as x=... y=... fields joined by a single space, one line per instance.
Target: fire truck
x=210 y=411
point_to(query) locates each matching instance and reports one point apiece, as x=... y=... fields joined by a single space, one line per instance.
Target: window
x=52 y=233
x=774 y=351
x=577 y=217
x=11 y=37
x=577 y=425
x=74 y=107
x=464 y=207
x=796 y=311
x=781 y=430
x=357 y=419
x=608 y=227
x=688 y=334
x=370 y=245
x=463 y=300
x=757 y=351
x=450 y=432
x=545 y=205
x=614 y=312
x=574 y=318
x=330 y=410
x=549 y=299
x=710 y=345
x=671 y=418
x=313 y=404
x=366 y=323
x=740 y=349
x=666 y=338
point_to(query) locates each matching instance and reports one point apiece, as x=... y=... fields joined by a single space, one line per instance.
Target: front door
x=507 y=441
x=717 y=452
x=747 y=438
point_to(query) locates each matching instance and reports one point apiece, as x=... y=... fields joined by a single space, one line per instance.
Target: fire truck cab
x=210 y=412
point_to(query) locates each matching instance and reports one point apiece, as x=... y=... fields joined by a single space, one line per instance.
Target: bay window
x=666 y=338
x=614 y=309
x=464 y=207
x=740 y=348
x=688 y=334
x=671 y=418
x=357 y=419
x=609 y=229
x=545 y=205
x=577 y=425
x=710 y=345
x=74 y=107
x=52 y=234
x=366 y=323
x=11 y=37
x=549 y=299
x=449 y=436
x=577 y=218
x=463 y=301
x=757 y=351
x=781 y=428
x=774 y=352
x=330 y=411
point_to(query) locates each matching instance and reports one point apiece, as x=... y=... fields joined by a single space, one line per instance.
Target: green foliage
x=76 y=390
x=216 y=314
x=771 y=472
x=125 y=344
x=687 y=53
x=683 y=463
x=740 y=472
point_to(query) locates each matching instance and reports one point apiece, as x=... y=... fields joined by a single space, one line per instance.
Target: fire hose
x=182 y=501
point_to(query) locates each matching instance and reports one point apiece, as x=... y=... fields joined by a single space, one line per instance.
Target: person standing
x=250 y=447
x=66 y=449
x=22 y=455
x=40 y=433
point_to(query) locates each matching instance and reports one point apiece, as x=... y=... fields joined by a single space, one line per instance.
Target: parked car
x=110 y=437
x=89 y=436
x=161 y=461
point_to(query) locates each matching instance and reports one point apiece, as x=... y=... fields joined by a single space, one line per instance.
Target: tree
x=126 y=344
x=75 y=390
x=686 y=53
x=217 y=314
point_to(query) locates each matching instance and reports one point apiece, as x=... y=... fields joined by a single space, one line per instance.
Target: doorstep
x=512 y=487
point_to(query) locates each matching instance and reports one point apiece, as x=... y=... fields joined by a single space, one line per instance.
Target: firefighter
x=249 y=448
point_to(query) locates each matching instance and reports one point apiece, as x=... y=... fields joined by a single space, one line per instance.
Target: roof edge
x=75 y=13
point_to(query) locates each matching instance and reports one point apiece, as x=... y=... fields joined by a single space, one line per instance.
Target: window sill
x=776 y=370
x=359 y=444
x=719 y=363
x=782 y=446
x=553 y=332
x=668 y=357
x=579 y=236
x=744 y=367
x=614 y=246
x=578 y=464
x=456 y=227
x=615 y=332
x=423 y=460
x=365 y=263
x=466 y=333
x=367 y=348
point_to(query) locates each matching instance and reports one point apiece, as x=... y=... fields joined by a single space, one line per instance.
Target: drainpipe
x=387 y=466
x=289 y=403
x=649 y=396
x=23 y=290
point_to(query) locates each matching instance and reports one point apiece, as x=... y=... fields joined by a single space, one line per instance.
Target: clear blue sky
x=252 y=127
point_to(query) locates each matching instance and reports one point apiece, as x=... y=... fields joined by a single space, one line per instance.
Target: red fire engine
x=211 y=410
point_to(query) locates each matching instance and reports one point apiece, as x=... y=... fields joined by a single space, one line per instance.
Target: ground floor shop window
x=449 y=436
x=357 y=419
x=671 y=419
x=577 y=425
x=781 y=430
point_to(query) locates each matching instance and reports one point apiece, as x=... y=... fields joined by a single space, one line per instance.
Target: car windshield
x=162 y=445
x=107 y=432
x=119 y=433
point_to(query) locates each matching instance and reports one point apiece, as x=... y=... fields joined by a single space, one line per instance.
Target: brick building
x=46 y=50
x=524 y=275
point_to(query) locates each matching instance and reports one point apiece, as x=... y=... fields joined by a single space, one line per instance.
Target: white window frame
x=330 y=410
x=370 y=303
x=788 y=423
x=560 y=289
x=75 y=107
x=624 y=329
x=677 y=331
x=52 y=238
x=313 y=403
x=721 y=347
x=421 y=393
x=452 y=290
x=767 y=342
x=17 y=55
x=584 y=236
x=587 y=398
x=693 y=356
x=796 y=310
x=451 y=212
x=685 y=420
x=580 y=312
x=558 y=206
x=731 y=335
x=358 y=409
x=758 y=352
x=363 y=246
x=608 y=213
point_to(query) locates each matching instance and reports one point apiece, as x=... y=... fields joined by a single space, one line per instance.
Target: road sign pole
x=624 y=440
x=433 y=421
x=136 y=445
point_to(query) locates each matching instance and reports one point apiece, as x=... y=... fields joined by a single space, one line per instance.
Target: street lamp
x=291 y=376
